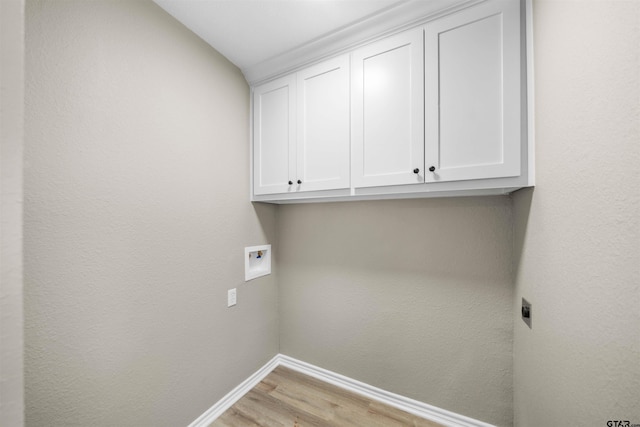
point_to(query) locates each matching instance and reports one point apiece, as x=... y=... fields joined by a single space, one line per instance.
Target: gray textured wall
x=11 y=145
x=136 y=215
x=136 y=212
x=412 y=296
x=578 y=234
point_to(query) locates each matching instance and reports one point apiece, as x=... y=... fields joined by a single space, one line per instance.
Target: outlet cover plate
x=232 y=297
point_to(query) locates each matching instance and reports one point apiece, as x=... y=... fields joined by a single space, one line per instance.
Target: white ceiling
x=248 y=32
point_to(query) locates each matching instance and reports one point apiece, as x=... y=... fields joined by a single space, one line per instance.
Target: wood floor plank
x=322 y=388
x=233 y=418
x=287 y=398
x=264 y=410
x=394 y=416
x=323 y=400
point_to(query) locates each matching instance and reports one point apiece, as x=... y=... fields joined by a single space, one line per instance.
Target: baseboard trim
x=414 y=407
x=420 y=409
x=211 y=414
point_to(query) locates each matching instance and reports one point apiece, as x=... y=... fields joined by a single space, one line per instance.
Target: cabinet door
x=323 y=126
x=388 y=112
x=472 y=84
x=274 y=136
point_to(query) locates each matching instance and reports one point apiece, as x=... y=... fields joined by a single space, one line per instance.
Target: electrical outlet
x=231 y=297
x=526 y=312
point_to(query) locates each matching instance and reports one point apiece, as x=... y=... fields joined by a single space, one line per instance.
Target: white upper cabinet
x=441 y=109
x=387 y=111
x=323 y=126
x=274 y=150
x=473 y=93
x=301 y=131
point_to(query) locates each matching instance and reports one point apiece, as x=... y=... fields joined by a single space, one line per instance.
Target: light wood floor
x=286 y=398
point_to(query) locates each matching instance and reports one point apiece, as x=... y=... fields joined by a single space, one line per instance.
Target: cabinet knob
x=432 y=169
x=299 y=182
x=290 y=182
x=416 y=170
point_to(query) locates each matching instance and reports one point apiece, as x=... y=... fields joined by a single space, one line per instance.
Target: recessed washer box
x=257 y=261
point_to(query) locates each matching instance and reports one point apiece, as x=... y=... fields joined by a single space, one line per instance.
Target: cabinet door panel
x=388 y=112
x=274 y=133
x=323 y=126
x=473 y=93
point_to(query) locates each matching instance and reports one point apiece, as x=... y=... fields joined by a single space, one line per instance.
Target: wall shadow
x=522 y=200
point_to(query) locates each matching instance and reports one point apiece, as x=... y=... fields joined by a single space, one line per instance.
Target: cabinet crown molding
x=401 y=16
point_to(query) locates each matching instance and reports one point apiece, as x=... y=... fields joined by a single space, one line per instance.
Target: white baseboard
x=211 y=414
x=420 y=409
